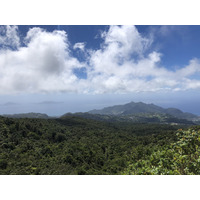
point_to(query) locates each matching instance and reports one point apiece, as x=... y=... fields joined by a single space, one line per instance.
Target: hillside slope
x=74 y=145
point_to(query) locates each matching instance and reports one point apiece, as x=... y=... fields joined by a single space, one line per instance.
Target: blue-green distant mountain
x=143 y=108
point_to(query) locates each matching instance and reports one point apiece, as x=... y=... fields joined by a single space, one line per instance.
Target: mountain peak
x=132 y=108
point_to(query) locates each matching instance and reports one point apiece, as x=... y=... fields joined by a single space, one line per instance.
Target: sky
x=59 y=69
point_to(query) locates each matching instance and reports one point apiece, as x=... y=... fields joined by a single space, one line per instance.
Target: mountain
x=182 y=115
x=28 y=115
x=142 y=108
x=129 y=108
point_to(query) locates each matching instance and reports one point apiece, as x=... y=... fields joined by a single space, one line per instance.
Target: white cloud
x=9 y=36
x=44 y=65
x=191 y=69
x=127 y=40
x=121 y=65
x=79 y=45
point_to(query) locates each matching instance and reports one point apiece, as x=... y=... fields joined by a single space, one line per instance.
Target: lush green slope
x=74 y=145
x=181 y=157
x=157 y=118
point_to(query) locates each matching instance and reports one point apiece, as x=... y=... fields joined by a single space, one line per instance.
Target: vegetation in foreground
x=74 y=145
x=179 y=158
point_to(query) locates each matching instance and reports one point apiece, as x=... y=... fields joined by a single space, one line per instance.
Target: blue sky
x=59 y=69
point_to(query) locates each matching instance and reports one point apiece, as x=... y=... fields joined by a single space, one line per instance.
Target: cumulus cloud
x=9 y=37
x=121 y=65
x=43 y=65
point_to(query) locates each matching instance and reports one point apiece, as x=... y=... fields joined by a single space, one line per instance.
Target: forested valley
x=73 y=145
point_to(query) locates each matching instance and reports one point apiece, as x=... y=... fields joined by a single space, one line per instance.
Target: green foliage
x=74 y=145
x=156 y=118
x=181 y=157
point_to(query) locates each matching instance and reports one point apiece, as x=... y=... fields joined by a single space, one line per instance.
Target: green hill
x=138 y=108
x=75 y=145
x=149 y=118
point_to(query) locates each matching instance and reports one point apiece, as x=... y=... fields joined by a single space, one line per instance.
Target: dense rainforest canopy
x=75 y=145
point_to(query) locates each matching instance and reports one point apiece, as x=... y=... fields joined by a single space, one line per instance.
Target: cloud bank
x=125 y=63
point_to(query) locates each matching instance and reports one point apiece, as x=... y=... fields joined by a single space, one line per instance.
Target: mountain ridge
x=140 y=107
x=131 y=112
